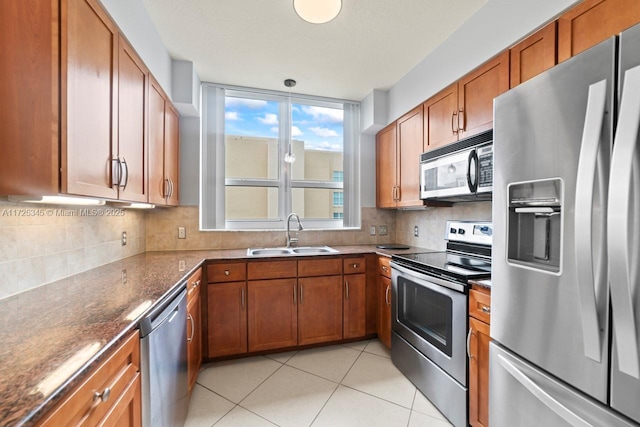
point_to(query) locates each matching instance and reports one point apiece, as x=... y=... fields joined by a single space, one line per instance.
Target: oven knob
x=453 y=231
x=460 y=230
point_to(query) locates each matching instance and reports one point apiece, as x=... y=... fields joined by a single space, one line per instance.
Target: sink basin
x=304 y=250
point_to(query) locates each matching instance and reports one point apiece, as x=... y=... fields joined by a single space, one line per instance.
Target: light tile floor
x=349 y=385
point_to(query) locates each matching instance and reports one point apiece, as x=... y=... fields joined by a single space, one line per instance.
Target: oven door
x=450 y=175
x=431 y=314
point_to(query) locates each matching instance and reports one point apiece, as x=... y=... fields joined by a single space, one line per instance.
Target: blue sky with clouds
x=320 y=128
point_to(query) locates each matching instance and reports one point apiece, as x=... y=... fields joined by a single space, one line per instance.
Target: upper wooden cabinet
x=386 y=167
x=164 y=148
x=533 y=55
x=476 y=91
x=593 y=21
x=441 y=118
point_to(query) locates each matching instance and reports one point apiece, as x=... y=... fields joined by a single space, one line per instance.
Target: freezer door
x=524 y=396
x=552 y=142
x=624 y=234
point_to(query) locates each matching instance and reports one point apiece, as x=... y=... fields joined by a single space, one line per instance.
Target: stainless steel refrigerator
x=565 y=303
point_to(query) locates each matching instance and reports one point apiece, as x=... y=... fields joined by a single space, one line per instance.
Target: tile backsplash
x=43 y=243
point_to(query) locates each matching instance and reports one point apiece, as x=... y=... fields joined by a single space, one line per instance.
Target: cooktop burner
x=447 y=265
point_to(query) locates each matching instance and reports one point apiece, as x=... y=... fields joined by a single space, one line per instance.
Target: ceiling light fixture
x=317 y=11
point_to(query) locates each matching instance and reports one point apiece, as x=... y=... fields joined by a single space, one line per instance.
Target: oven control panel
x=477 y=232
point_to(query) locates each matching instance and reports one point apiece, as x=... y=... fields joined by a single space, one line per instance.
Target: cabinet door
x=533 y=55
x=194 y=339
x=227 y=318
x=386 y=167
x=172 y=153
x=441 y=118
x=478 y=373
x=273 y=314
x=476 y=91
x=410 y=146
x=319 y=309
x=128 y=411
x=593 y=21
x=158 y=187
x=132 y=123
x=384 y=313
x=89 y=75
x=354 y=312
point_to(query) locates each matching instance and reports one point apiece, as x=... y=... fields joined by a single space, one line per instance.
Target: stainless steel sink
x=304 y=250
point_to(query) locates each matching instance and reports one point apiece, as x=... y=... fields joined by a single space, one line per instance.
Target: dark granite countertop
x=51 y=336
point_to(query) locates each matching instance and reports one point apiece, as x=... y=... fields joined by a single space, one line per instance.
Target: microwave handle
x=473 y=156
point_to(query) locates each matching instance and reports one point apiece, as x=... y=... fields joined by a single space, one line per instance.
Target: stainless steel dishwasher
x=163 y=352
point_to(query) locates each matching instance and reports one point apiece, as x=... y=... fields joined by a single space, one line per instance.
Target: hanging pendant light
x=317 y=11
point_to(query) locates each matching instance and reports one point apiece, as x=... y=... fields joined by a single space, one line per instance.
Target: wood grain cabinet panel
x=476 y=92
x=319 y=267
x=194 y=339
x=354 y=265
x=386 y=164
x=384 y=311
x=172 y=153
x=227 y=318
x=354 y=307
x=478 y=373
x=259 y=270
x=120 y=373
x=272 y=314
x=226 y=272
x=441 y=118
x=533 y=55
x=384 y=266
x=319 y=309
x=410 y=146
x=593 y=21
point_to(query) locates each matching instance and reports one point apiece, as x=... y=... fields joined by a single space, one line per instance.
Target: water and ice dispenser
x=534 y=220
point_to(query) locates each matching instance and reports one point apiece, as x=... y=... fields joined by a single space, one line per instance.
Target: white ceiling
x=259 y=43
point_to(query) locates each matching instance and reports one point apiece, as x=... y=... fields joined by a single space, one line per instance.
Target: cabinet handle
x=453 y=118
x=301 y=293
x=346 y=289
x=193 y=327
x=387 y=297
x=355 y=265
x=469 y=343
x=116 y=172
x=461 y=116
x=195 y=285
x=242 y=298
x=486 y=309
x=101 y=397
x=124 y=173
x=399 y=192
x=170 y=188
x=384 y=268
x=226 y=272
x=165 y=190
x=294 y=295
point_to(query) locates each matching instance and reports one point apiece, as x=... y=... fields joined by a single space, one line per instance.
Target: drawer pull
x=193 y=327
x=486 y=309
x=355 y=265
x=226 y=272
x=196 y=284
x=101 y=397
x=384 y=268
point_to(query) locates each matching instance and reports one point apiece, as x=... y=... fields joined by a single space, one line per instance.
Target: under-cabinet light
x=136 y=205
x=57 y=200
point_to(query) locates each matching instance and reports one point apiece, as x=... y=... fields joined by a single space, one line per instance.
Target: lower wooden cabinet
x=117 y=380
x=319 y=309
x=227 y=318
x=194 y=327
x=479 y=338
x=384 y=312
x=355 y=305
x=272 y=314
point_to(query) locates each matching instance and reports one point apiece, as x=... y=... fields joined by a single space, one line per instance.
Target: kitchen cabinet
x=319 y=309
x=355 y=298
x=272 y=314
x=164 y=148
x=398 y=149
x=384 y=300
x=194 y=327
x=226 y=309
x=533 y=55
x=110 y=395
x=478 y=339
x=440 y=118
x=386 y=164
x=593 y=21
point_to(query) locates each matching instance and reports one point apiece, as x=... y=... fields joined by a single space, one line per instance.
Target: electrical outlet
x=372 y=230
x=182 y=233
x=182 y=265
x=124 y=277
x=382 y=229
x=415 y=231
x=123 y=240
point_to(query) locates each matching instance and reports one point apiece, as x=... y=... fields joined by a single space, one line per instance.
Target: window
x=266 y=154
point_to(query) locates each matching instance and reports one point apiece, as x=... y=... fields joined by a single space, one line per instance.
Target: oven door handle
x=428 y=278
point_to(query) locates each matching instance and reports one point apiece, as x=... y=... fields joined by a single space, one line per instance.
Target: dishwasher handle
x=163 y=310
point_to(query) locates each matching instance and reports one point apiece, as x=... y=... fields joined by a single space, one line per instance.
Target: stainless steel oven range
x=429 y=314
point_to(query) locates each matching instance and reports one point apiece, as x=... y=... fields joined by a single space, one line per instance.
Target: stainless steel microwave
x=459 y=172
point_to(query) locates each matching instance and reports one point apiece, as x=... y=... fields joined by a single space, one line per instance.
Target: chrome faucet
x=292 y=241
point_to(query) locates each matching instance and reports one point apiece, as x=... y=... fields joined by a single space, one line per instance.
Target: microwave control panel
x=485 y=166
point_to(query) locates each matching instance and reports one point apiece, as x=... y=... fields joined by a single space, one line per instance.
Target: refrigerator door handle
x=592 y=154
x=544 y=397
x=622 y=224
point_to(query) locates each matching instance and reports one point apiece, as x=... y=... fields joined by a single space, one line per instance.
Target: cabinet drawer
x=354 y=265
x=383 y=266
x=319 y=267
x=193 y=285
x=227 y=272
x=116 y=378
x=480 y=305
x=272 y=269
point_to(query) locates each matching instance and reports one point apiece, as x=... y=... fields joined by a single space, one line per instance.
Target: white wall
x=135 y=23
x=496 y=26
x=367 y=170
